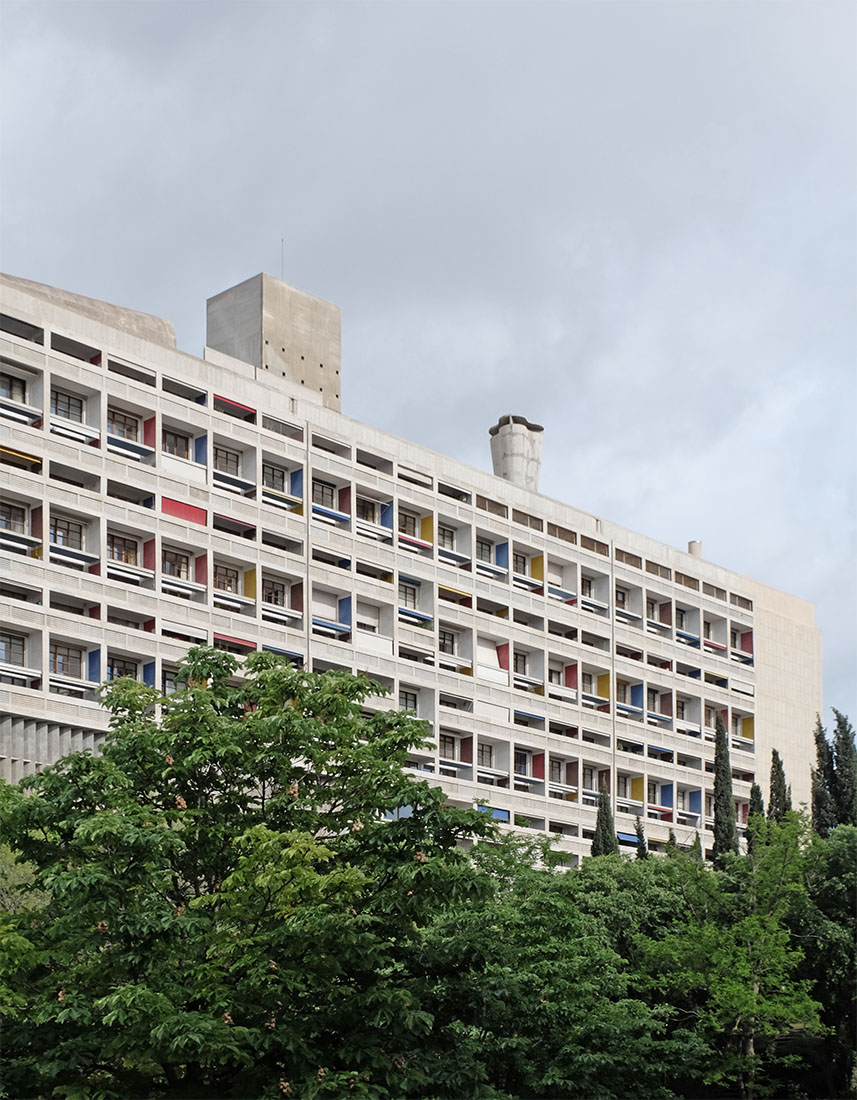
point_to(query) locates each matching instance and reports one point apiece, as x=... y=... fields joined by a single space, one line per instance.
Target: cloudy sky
x=634 y=223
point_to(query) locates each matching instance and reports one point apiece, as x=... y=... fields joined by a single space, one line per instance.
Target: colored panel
x=296 y=596
x=665 y=614
x=666 y=794
x=747 y=642
x=637 y=788
x=200 y=569
x=537 y=567
x=570 y=675
x=503 y=655
x=149 y=434
x=538 y=765
x=571 y=773
x=345 y=500
x=95 y=569
x=387 y=515
x=747 y=729
x=636 y=695
x=604 y=685
x=501 y=554
x=95 y=611
x=235 y=404
x=296 y=482
x=666 y=704
x=343 y=611
x=149 y=554
x=149 y=673
x=627 y=838
x=184 y=511
x=250 y=584
x=36 y=522
x=242 y=642
x=427 y=528
x=466 y=744
x=93 y=665
x=200 y=449
x=694 y=801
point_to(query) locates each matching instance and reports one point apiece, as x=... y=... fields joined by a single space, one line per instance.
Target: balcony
x=330 y=516
x=531 y=684
x=130 y=448
x=20 y=412
x=413 y=545
x=561 y=594
x=684 y=637
x=279 y=613
x=227 y=600
x=14 y=537
x=287 y=502
x=233 y=484
x=176 y=585
x=19 y=675
x=72 y=429
x=70 y=555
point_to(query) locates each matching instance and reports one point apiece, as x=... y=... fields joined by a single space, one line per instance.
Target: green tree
x=844 y=787
x=779 y=800
x=725 y=828
x=604 y=843
x=225 y=908
x=642 y=847
x=755 y=816
x=823 y=808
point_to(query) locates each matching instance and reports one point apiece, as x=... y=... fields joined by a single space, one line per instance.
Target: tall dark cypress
x=756 y=815
x=778 y=799
x=823 y=808
x=725 y=829
x=844 y=786
x=604 y=843
x=642 y=847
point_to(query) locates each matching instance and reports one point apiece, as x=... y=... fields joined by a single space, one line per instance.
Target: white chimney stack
x=516 y=451
x=694 y=547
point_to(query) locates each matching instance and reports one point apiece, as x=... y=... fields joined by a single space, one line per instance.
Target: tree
x=823 y=809
x=755 y=815
x=696 y=849
x=642 y=848
x=844 y=788
x=725 y=828
x=604 y=843
x=229 y=910
x=779 y=800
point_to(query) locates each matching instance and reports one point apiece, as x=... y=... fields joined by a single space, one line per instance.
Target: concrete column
x=516 y=451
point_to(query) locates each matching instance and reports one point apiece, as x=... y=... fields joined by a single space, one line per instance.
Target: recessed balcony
x=130 y=448
x=20 y=412
x=19 y=675
x=68 y=555
x=127 y=572
x=72 y=429
x=233 y=484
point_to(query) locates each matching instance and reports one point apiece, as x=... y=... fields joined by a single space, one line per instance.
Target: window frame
x=175 y=443
x=61 y=652
x=70 y=531
x=9 y=383
x=10 y=520
x=130 y=549
x=408 y=596
x=67 y=406
x=10 y=645
x=323 y=493
x=127 y=423
x=183 y=572
x=220 y=573
x=225 y=461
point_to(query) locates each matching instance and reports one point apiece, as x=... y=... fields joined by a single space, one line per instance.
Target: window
x=274 y=477
x=122 y=549
x=66 y=532
x=120 y=666
x=446 y=641
x=653 y=793
x=519 y=564
x=621 y=597
x=323 y=493
x=227 y=462
x=12 y=647
x=709 y=805
x=407 y=595
x=122 y=425
x=622 y=786
x=589 y=779
x=651 y=609
x=367 y=510
x=174 y=564
x=681 y=800
x=736 y=726
x=168 y=682
x=446 y=537
x=447 y=746
x=556 y=771
x=680 y=618
x=520 y=664
x=709 y=717
x=65 y=660
x=485 y=756
x=274 y=592
x=586 y=681
x=680 y=708
x=621 y=691
x=407 y=699
x=555 y=676
x=13 y=518
x=226 y=579
x=484 y=550
x=652 y=699
x=706 y=629
x=15 y=389
x=67 y=406
x=522 y=762
x=408 y=523
x=735 y=639
x=175 y=443
x=586 y=586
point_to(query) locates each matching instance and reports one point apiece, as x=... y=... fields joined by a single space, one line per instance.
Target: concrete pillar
x=516 y=451
x=694 y=547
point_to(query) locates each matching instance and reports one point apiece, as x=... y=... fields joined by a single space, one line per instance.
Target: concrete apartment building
x=152 y=500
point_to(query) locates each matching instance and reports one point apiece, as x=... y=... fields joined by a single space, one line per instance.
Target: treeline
x=246 y=896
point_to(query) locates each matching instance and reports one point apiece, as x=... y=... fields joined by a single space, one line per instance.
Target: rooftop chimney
x=516 y=451
x=694 y=547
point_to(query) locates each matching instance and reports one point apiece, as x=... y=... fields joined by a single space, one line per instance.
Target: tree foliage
x=725 y=828
x=834 y=777
x=779 y=800
x=604 y=843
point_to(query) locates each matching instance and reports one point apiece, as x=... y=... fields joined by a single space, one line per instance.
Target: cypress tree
x=604 y=843
x=756 y=815
x=671 y=845
x=642 y=847
x=823 y=809
x=696 y=849
x=844 y=786
x=725 y=829
x=778 y=799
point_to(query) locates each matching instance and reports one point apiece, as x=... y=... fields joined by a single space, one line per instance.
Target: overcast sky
x=634 y=223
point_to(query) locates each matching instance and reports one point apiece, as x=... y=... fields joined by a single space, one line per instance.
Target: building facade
x=152 y=500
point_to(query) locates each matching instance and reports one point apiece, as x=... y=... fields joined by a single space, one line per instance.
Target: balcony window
x=485 y=756
x=168 y=682
x=586 y=681
x=680 y=709
x=735 y=639
x=555 y=676
x=408 y=523
x=226 y=579
x=13 y=518
x=520 y=664
x=274 y=592
x=408 y=596
x=556 y=771
x=227 y=462
x=121 y=666
x=274 y=477
x=589 y=779
x=323 y=493
x=12 y=648
x=621 y=597
x=652 y=791
x=447 y=642
x=709 y=717
x=652 y=699
x=176 y=443
x=122 y=549
x=706 y=629
x=622 y=786
x=736 y=726
x=621 y=691
x=367 y=510
x=651 y=609
x=681 y=800
x=680 y=618
x=484 y=550
x=65 y=660
x=12 y=388
x=123 y=425
x=447 y=746
x=519 y=564
x=446 y=537
x=67 y=405
x=522 y=762
x=174 y=564
x=586 y=586
x=407 y=699
x=66 y=532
